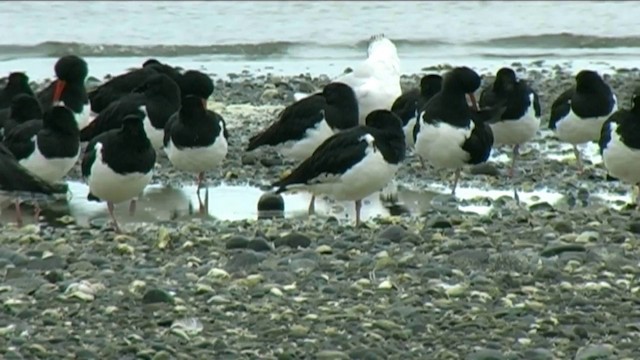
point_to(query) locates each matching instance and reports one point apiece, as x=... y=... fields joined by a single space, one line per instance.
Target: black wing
x=332 y=158
x=405 y=105
x=118 y=87
x=45 y=96
x=19 y=139
x=14 y=177
x=617 y=117
x=90 y=153
x=173 y=121
x=292 y=123
x=560 y=107
x=111 y=117
x=488 y=98
x=479 y=143
x=536 y=104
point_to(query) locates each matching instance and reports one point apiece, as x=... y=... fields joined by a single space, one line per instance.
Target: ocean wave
x=281 y=48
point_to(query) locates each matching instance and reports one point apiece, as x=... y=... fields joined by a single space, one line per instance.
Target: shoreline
x=519 y=282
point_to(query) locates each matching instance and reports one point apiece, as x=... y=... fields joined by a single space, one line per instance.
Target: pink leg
x=132 y=206
x=18 y=212
x=312 y=205
x=576 y=152
x=358 y=208
x=455 y=182
x=36 y=211
x=514 y=157
x=200 y=181
x=113 y=218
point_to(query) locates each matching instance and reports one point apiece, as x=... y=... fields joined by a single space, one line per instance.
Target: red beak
x=474 y=103
x=204 y=103
x=57 y=91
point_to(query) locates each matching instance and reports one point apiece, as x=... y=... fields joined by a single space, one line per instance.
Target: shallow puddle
x=228 y=202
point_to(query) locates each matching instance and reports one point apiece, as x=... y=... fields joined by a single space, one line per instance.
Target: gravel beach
x=542 y=280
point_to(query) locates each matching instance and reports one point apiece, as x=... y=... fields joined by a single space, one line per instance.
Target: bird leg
x=312 y=205
x=200 y=181
x=455 y=181
x=36 y=211
x=358 y=208
x=424 y=164
x=576 y=152
x=633 y=188
x=110 y=207
x=514 y=157
x=18 y=212
x=132 y=206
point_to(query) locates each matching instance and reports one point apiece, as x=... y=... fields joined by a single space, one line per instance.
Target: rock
x=53 y=262
x=393 y=233
x=271 y=161
x=250 y=158
x=154 y=296
x=486 y=168
x=596 y=352
x=259 y=244
x=270 y=206
x=293 y=240
x=237 y=242
x=539 y=354
x=246 y=260
x=269 y=94
x=439 y=223
x=485 y=354
x=562 y=226
x=331 y=355
x=554 y=249
x=634 y=227
x=588 y=236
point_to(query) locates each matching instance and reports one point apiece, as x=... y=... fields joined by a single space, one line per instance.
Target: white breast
x=198 y=159
x=50 y=170
x=441 y=144
x=299 y=150
x=620 y=160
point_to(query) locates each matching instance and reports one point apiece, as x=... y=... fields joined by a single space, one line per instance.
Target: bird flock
x=346 y=141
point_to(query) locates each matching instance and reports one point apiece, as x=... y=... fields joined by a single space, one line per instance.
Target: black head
x=461 y=79
x=62 y=119
x=18 y=79
x=72 y=69
x=588 y=81
x=635 y=101
x=25 y=107
x=383 y=120
x=192 y=107
x=194 y=82
x=151 y=62
x=505 y=81
x=430 y=85
x=336 y=92
x=133 y=128
x=158 y=84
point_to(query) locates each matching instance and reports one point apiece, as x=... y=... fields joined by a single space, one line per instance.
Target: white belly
x=408 y=132
x=621 y=161
x=299 y=150
x=371 y=174
x=110 y=186
x=198 y=159
x=515 y=132
x=574 y=130
x=50 y=170
x=84 y=118
x=441 y=144
x=154 y=135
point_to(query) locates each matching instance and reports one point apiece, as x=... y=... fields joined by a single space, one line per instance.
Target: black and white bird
x=69 y=89
x=521 y=119
x=408 y=105
x=121 y=85
x=302 y=126
x=449 y=134
x=352 y=164
x=620 y=144
x=23 y=108
x=195 y=141
x=17 y=84
x=158 y=98
x=48 y=148
x=577 y=115
x=118 y=164
x=16 y=181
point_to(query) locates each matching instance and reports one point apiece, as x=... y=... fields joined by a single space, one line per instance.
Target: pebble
x=154 y=296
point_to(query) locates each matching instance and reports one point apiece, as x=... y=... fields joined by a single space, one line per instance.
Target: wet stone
x=154 y=296
x=439 y=223
x=486 y=354
x=596 y=352
x=244 y=260
x=259 y=244
x=555 y=249
x=49 y=263
x=237 y=242
x=393 y=233
x=293 y=240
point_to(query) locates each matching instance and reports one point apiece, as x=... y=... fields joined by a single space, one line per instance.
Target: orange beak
x=57 y=91
x=474 y=103
x=204 y=103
